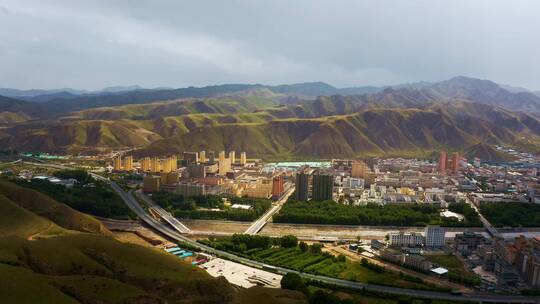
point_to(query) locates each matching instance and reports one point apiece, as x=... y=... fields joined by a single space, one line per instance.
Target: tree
x=292 y=281
x=303 y=246
x=315 y=248
x=289 y=241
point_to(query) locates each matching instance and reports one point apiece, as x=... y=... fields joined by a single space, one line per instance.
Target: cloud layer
x=94 y=44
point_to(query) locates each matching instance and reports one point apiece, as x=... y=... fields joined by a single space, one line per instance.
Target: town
x=443 y=221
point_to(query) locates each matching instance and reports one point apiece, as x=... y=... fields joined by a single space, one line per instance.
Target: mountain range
x=285 y=121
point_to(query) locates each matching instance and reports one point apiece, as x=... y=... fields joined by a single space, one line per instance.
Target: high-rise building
x=151 y=183
x=224 y=165
x=117 y=163
x=442 y=162
x=301 y=191
x=232 y=156
x=145 y=164
x=359 y=169
x=277 y=186
x=322 y=187
x=435 y=236
x=155 y=165
x=128 y=163
x=166 y=165
x=211 y=157
x=190 y=157
x=196 y=171
x=243 y=158
x=190 y=189
x=221 y=156
x=174 y=162
x=455 y=162
x=202 y=157
x=170 y=178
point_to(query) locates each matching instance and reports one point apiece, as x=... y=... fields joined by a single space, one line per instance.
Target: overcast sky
x=95 y=44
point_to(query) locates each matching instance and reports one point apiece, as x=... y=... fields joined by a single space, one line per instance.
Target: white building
x=406 y=239
x=435 y=236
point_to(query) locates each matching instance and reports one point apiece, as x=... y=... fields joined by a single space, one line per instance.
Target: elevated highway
x=260 y=222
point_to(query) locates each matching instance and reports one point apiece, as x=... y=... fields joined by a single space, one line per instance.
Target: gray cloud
x=93 y=44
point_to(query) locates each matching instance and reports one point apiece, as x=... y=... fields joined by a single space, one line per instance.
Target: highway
x=260 y=222
x=133 y=204
x=174 y=222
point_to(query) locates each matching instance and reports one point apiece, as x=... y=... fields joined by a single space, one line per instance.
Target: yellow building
x=221 y=156
x=174 y=162
x=166 y=165
x=128 y=163
x=232 y=156
x=202 y=156
x=359 y=169
x=170 y=178
x=145 y=164
x=224 y=166
x=155 y=165
x=151 y=183
x=243 y=158
x=261 y=189
x=117 y=163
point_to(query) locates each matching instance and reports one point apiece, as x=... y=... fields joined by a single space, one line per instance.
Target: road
x=492 y=230
x=260 y=222
x=133 y=204
x=169 y=218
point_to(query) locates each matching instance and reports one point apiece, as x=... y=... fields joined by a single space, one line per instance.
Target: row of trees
x=502 y=214
x=87 y=196
x=329 y=212
x=240 y=243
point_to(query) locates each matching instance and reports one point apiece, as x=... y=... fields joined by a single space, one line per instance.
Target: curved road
x=132 y=203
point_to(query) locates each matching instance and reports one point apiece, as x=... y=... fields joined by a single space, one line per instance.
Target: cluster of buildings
x=204 y=172
x=515 y=263
x=407 y=248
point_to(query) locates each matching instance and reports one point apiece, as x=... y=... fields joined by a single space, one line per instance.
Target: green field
x=311 y=259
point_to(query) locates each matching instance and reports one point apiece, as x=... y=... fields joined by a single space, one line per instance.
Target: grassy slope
x=324 y=128
x=19 y=221
x=46 y=207
x=77 y=266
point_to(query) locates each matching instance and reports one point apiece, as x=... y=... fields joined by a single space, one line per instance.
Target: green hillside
x=390 y=123
x=40 y=205
x=50 y=253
